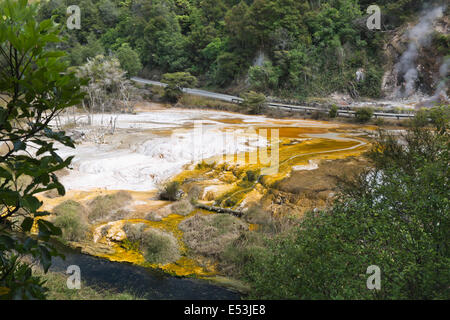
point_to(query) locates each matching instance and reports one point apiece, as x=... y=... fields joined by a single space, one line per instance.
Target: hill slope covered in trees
x=292 y=48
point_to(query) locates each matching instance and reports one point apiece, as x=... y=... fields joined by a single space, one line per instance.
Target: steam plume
x=418 y=37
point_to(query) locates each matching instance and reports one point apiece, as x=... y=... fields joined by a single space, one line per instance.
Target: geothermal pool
x=151 y=147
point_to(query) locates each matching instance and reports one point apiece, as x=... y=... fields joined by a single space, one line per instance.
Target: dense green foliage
x=395 y=216
x=34 y=88
x=175 y=84
x=333 y=111
x=129 y=59
x=364 y=114
x=254 y=101
x=302 y=47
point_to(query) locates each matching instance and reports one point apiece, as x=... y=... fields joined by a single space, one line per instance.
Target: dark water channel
x=144 y=282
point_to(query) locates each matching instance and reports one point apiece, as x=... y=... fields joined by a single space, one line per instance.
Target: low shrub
x=69 y=206
x=254 y=102
x=420 y=118
x=363 y=115
x=171 y=191
x=182 y=207
x=134 y=231
x=153 y=216
x=319 y=115
x=209 y=235
x=156 y=245
x=257 y=215
x=71 y=218
x=194 y=194
x=72 y=225
x=249 y=247
x=437 y=116
x=108 y=207
x=191 y=101
x=333 y=111
x=380 y=122
x=205 y=165
x=440 y=116
x=159 y=247
x=252 y=175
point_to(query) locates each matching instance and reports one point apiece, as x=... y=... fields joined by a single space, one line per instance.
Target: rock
x=209 y=196
x=117 y=235
x=360 y=75
x=179 y=194
x=152 y=216
x=76 y=135
x=227 y=177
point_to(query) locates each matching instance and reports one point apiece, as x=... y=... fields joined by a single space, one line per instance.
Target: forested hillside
x=292 y=48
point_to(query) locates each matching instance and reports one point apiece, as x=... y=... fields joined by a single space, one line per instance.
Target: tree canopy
x=314 y=47
x=34 y=88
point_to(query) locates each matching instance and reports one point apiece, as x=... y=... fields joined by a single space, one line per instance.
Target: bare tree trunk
x=89 y=115
x=220 y=210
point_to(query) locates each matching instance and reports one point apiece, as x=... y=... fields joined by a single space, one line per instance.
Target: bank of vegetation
x=56 y=284
x=395 y=215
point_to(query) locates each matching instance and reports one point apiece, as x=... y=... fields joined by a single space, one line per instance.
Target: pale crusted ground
x=157 y=144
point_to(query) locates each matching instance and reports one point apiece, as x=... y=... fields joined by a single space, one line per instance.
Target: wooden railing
x=219 y=96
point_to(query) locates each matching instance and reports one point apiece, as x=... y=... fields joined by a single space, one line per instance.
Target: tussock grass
x=156 y=245
x=182 y=207
x=134 y=231
x=69 y=206
x=159 y=247
x=257 y=215
x=209 y=235
x=108 y=207
x=194 y=193
x=71 y=218
x=268 y=224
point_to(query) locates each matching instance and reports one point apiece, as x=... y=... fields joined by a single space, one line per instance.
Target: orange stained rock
x=296 y=147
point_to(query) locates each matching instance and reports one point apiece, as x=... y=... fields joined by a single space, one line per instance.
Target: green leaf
x=46 y=258
x=27 y=224
x=19 y=145
x=42 y=213
x=7 y=241
x=32 y=203
x=48 y=229
x=29 y=243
